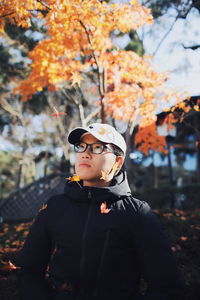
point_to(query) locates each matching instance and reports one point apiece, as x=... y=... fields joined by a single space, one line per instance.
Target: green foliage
x=135 y=44
x=20 y=34
x=14 y=49
x=37 y=103
x=8 y=69
x=4 y=119
x=159 y=8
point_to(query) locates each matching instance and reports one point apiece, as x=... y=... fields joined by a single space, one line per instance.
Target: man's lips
x=84 y=164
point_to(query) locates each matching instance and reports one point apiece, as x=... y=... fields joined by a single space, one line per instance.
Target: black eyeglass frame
x=90 y=145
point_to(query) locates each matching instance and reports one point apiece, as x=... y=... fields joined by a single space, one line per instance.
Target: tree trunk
x=198 y=163
x=128 y=163
x=155 y=177
x=172 y=200
x=20 y=170
x=197 y=132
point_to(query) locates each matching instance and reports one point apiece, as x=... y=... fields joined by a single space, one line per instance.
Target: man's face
x=89 y=165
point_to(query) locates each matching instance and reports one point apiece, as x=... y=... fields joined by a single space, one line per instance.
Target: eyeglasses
x=95 y=148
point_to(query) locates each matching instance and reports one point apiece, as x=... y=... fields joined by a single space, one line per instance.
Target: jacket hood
x=119 y=188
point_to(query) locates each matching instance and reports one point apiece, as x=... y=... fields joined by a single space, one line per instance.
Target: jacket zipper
x=83 y=242
x=101 y=261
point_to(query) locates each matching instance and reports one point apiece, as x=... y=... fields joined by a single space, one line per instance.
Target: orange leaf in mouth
x=104 y=175
x=76 y=178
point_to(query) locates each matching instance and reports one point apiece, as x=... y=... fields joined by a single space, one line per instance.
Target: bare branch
x=8 y=14
x=165 y=35
x=101 y=85
x=95 y=59
x=92 y=115
x=44 y=4
x=9 y=108
x=194 y=47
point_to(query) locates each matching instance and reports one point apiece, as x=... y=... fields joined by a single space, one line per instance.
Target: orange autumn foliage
x=75 y=29
x=75 y=178
x=147 y=138
x=78 y=41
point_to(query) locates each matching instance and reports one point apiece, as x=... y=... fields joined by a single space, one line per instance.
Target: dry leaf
x=104 y=209
x=75 y=177
x=44 y=206
x=57 y=113
x=104 y=175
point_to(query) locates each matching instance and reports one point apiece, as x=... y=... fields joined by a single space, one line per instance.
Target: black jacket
x=93 y=255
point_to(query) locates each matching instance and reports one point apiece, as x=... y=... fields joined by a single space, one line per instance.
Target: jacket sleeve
x=33 y=260
x=155 y=258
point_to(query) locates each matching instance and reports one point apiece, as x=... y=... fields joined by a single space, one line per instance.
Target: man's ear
x=120 y=160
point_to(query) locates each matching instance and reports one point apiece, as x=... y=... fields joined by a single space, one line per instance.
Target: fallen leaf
x=104 y=209
x=183 y=238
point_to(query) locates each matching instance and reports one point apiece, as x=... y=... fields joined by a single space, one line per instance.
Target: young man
x=95 y=241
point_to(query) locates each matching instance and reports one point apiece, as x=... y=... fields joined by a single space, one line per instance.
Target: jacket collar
x=119 y=188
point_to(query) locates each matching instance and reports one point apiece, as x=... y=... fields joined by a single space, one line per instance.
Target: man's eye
x=98 y=146
x=80 y=146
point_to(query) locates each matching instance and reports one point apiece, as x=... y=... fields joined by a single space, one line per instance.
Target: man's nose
x=87 y=152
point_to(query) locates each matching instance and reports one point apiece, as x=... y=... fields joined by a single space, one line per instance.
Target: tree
x=79 y=42
x=77 y=48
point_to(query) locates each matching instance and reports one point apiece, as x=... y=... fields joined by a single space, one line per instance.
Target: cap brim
x=75 y=135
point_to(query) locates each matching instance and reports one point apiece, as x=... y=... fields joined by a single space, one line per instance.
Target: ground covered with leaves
x=182 y=227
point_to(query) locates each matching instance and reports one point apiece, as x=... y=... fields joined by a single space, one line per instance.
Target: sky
x=183 y=66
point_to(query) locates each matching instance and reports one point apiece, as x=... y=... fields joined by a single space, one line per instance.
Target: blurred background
x=35 y=157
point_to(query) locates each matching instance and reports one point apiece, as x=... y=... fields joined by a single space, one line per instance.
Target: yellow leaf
x=75 y=177
x=44 y=206
x=76 y=78
x=133 y=2
x=44 y=63
x=115 y=167
x=104 y=175
x=196 y=107
x=39 y=89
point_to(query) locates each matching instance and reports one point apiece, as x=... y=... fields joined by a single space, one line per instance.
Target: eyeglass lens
x=95 y=148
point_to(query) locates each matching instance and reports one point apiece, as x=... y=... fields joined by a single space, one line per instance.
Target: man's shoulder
x=136 y=205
